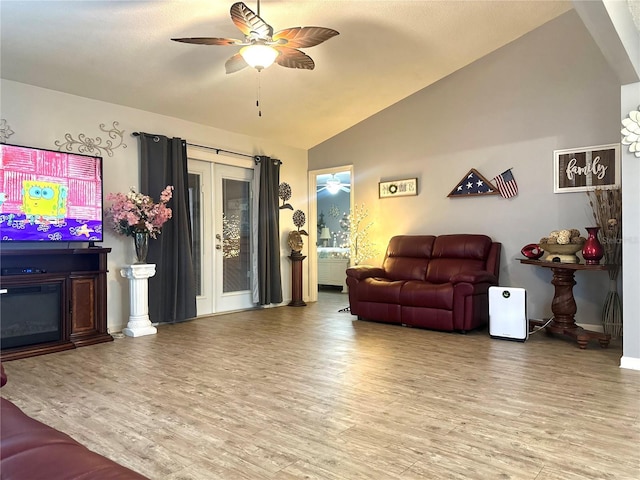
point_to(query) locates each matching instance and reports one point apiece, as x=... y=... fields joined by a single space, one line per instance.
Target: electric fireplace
x=31 y=314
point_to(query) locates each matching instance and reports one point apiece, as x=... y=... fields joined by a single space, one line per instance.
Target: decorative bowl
x=532 y=251
x=558 y=249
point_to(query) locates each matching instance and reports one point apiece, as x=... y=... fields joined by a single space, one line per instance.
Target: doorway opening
x=331 y=201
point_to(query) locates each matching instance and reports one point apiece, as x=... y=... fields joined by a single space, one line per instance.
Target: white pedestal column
x=138 y=275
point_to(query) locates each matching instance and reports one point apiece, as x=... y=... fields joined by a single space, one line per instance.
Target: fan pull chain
x=258 y=97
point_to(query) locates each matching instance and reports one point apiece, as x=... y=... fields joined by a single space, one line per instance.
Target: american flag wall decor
x=506 y=184
x=473 y=184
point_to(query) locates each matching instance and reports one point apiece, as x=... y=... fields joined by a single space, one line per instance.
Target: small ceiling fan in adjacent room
x=333 y=185
x=261 y=47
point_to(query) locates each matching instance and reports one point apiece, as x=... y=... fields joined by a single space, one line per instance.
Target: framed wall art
x=398 y=188
x=587 y=168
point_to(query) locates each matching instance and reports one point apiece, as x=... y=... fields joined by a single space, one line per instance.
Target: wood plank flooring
x=291 y=393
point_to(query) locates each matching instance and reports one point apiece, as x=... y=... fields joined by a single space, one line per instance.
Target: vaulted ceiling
x=120 y=52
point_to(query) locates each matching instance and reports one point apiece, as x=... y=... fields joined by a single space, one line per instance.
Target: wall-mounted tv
x=49 y=196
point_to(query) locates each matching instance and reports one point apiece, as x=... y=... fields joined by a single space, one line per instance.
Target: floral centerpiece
x=134 y=212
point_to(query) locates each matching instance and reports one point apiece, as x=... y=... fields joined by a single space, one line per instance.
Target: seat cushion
x=423 y=294
x=379 y=290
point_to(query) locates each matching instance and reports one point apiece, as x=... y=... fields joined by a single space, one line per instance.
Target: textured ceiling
x=120 y=52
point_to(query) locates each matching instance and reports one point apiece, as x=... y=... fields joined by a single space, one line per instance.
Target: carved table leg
x=564 y=309
x=563 y=305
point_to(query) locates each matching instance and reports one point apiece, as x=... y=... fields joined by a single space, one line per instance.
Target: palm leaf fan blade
x=248 y=22
x=292 y=58
x=235 y=63
x=209 y=41
x=304 y=37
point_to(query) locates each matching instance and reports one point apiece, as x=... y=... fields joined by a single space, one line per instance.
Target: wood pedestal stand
x=296 y=279
x=563 y=304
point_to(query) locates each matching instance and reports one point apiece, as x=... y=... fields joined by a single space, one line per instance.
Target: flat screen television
x=49 y=196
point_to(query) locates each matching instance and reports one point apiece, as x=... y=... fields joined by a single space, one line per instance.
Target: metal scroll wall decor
x=5 y=131
x=95 y=145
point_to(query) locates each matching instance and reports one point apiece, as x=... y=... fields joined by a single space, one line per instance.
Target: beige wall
x=39 y=117
x=551 y=89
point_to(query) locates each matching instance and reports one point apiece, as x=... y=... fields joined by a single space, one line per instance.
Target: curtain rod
x=217 y=150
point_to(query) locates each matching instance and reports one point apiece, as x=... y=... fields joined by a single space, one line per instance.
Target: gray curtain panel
x=172 y=290
x=268 y=245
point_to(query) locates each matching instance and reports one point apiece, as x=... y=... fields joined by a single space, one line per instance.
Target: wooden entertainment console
x=82 y=276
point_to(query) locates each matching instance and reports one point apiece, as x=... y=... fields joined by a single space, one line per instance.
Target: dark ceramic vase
x=592 y=250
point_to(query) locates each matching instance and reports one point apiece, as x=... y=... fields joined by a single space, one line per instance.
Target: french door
x=220 y=200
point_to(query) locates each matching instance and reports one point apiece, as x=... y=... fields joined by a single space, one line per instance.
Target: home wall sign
x=398 y=188
x=587 y=168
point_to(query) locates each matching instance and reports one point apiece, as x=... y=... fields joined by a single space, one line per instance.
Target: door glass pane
x=236 y=236
x=195 y=208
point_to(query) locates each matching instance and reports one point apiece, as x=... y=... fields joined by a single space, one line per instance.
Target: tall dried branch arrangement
x=606 y=207
x=360 y=246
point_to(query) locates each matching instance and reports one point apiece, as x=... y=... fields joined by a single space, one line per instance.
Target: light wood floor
x=308 y=392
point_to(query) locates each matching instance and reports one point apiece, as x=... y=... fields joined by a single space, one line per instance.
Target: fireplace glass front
x=30 y=314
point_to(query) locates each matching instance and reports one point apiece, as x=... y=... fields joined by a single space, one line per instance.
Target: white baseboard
x=630 y=362
x=592 y=326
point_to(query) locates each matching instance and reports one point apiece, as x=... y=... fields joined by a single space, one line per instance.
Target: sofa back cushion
x=453 y=254
x=408 y=256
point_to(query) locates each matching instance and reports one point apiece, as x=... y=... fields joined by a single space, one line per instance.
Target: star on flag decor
x=473 y=184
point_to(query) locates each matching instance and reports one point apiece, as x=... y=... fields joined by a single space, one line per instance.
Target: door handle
x=218 y=247
x=218 y=237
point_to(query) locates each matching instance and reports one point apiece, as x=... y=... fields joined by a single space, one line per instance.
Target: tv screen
x=49 y=196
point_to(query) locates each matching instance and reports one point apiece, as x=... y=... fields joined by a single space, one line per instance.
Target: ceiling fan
x=333 y=185
x=261 y=47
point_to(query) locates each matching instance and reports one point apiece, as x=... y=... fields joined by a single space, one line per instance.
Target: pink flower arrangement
x=134 y=212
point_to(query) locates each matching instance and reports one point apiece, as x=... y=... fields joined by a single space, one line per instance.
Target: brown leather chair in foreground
x=31 y=450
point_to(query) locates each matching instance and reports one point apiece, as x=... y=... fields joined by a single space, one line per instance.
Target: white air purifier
x=508 y=313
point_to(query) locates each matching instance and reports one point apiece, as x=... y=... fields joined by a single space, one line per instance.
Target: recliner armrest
x=360 y=272
x=480 y=276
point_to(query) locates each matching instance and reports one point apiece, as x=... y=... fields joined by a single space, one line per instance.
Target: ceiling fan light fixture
x=259 y=56
x=333 y=185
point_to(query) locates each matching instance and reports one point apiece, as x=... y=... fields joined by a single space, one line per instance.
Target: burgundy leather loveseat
x=31 y=450
x=436 y=282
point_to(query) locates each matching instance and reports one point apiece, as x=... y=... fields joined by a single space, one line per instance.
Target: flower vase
x=592 y=251
x=612 y=311
x=141 y=243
